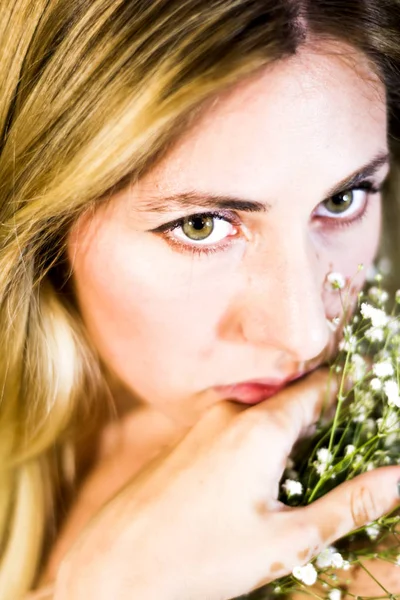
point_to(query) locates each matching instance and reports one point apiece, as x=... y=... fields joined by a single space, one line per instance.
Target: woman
x=178 y=179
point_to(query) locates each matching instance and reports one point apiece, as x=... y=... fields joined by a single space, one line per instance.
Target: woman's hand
x=203 y=520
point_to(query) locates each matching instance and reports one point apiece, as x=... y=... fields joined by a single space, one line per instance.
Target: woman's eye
x=348 y=205
x=202 y=230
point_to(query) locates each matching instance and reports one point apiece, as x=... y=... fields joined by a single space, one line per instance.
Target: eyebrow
x=197 y=199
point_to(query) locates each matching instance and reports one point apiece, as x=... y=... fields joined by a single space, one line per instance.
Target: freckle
x=328 y=531
x=261 y=509
x=304 y=554
x=276 y=567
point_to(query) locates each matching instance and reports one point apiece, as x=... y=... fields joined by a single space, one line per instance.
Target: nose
x=283 y=304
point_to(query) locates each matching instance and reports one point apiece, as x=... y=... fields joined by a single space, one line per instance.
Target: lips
x=253 y=392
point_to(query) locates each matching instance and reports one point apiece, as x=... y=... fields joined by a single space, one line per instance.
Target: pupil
x=198 y=223
x=342 y=199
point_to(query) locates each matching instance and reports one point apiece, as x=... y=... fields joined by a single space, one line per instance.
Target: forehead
x=323 y=105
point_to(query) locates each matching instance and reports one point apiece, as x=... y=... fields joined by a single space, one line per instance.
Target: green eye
x=198 y=227
x=340 y=203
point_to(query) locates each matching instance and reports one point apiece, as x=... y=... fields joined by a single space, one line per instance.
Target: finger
x=353 y=504
x=293 y=410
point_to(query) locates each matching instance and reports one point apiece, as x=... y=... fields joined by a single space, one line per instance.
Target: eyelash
x=233 y=219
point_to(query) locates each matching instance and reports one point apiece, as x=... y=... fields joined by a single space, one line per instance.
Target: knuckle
x=363 y=506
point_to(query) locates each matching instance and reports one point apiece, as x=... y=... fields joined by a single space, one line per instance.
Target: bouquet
x=362 y=434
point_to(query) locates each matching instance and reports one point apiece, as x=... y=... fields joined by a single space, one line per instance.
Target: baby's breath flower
x=337 y=560
x=374 y=334
x=375 y=384
x=307 y=574
x=367 y=434
x=357 y=460
x=394 y=326
x=335 y=594
x=371 y=273
x=358 y=366
x=372 y=531
x=378 y=295
x=385 y=265
x=292 y=488
x=391 y=389
x=336 y=280
x=289 y=463
x=383 y=369
x=329 y=557
x=377 y=316
x=324 y=455
x=362 y=405
x=390 y=422
x=324 y=458
x=349 y=344
x=277 y=589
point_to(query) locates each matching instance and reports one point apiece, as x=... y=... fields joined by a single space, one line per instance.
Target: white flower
x=346 y=565
x=323 y=559
x=385 y=265
x=398 y=560
x=289 y=463
x=277 y=589
x=329 y=558
x=383 y=369
x=324 y=458
x=390 y=423
x=358 y=459
x=377 y=295
x=349 y=449
x=358 y=366
x=349 y=344
x=292 y=488
x=306 y=574
x=377 y=316
x=371 y=273
x=324 y=455
x=372 y=531
x=374 y=334
x=335 y=595
x=337 y=560
x=336 y=280
x=375 y=384
x=394 y=325
x=392 y=392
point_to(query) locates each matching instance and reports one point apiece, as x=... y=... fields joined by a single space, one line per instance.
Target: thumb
x=354 y=504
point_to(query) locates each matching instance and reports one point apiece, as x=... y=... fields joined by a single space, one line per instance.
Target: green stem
x=374 y=578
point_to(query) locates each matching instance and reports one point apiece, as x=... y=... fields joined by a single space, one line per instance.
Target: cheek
x=353 y=247
x=145 y=306
x=362 y=243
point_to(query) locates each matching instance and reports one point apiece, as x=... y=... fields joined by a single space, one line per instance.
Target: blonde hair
x=92 y=94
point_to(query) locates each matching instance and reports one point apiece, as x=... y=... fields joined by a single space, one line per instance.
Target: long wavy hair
x=92 y=94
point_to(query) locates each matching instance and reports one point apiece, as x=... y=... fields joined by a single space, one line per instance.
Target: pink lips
x=253 y=392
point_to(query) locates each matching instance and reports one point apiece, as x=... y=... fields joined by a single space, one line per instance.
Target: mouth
x=257 y=390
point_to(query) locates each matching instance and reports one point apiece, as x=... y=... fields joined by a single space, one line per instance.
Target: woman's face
x=211 y=271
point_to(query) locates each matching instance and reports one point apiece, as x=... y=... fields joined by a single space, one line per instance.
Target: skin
x=171 y=324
